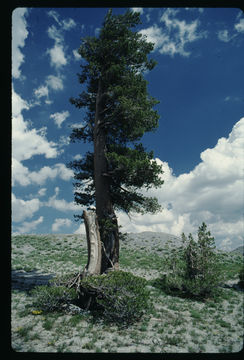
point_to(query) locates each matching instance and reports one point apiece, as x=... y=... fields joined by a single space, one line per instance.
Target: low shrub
x=120 y=296
x=52 y=298
x=194 y=268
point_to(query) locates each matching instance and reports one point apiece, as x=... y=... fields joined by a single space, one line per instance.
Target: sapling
x=195 y=266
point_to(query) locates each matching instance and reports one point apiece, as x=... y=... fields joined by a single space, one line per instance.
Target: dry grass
x=175 y=325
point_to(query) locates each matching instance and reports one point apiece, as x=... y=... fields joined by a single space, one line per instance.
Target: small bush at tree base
x=194 y=268
x=121 y=296
x=52 y=298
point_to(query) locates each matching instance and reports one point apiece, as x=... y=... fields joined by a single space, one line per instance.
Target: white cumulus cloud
x=41 y=91
x=42 y=192
x=81 y=229
x=57 y=56
x=57 y=52
x=26 y=227
x=22 y=209
x=238 y=29
x=67 y=24
x=77 y=157
x=18 y=104
x=155 y=35
x=19 y=35
x=61 y=204
x=23 y=176
x=52 y=82
x=59 y=117
x=76 y=55
x=240 y=26
x=224 y=35
x=175 y=34
x=60 y=223
x=47 y=172
x=27 y=142
x=137 y=9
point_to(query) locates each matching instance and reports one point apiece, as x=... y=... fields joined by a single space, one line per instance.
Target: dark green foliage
x=194 y=269
x=52 y=298
x=241 y=277
x=121 y=297
x=131 y=169
x=116 y=60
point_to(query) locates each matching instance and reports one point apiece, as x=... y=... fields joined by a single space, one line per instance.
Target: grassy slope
x=175 y=325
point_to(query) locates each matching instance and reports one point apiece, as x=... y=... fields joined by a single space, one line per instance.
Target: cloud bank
x=212 y=192
x=27 y=142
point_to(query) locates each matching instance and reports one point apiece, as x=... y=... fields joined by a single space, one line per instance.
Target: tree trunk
x=107 y=220
x=93 y=266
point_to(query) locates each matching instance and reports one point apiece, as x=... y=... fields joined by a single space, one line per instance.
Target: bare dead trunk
x=93 y=266
x=107 y=220
x=96 y=249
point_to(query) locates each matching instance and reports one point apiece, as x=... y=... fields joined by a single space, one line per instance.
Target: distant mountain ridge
x=161 y=238
x=152 y=239
x=145 y=238
x=239 y=250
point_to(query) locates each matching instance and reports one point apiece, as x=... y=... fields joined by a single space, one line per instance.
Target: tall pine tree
x=119 y=111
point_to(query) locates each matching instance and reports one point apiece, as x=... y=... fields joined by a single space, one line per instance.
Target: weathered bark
x=93 y=266
x=104 y=207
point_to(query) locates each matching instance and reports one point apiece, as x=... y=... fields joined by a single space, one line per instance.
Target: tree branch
x=106 y=109
x=129 y=192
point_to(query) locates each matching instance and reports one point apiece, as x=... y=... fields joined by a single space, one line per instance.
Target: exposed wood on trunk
x=93 y=266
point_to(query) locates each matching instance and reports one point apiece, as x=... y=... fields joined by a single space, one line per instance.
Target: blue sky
x=200 y=140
